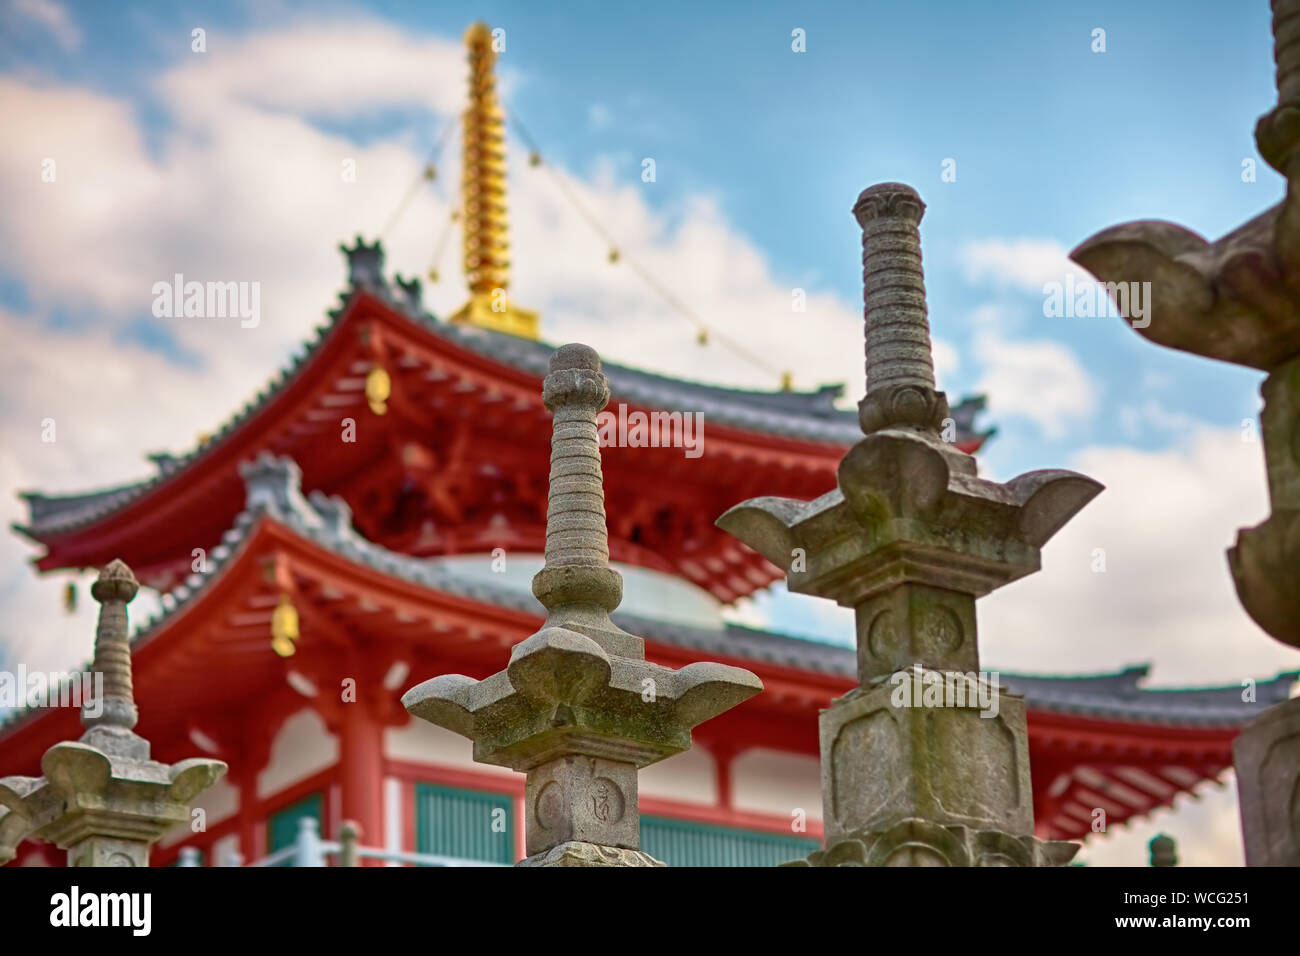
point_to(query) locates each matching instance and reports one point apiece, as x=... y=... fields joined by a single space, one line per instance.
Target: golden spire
x=483 y=196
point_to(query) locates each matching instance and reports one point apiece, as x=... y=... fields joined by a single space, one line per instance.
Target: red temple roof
x=418 y=484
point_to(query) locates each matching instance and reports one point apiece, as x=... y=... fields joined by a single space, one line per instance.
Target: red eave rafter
x=1125 y=769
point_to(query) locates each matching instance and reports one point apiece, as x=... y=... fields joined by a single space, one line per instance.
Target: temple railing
x=310 y=850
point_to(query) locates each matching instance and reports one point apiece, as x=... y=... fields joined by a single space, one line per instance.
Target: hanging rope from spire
x=705 y=334
x=428 y=173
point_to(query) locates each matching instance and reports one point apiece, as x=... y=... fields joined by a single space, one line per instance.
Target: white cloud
x=244 y=186
x=1040 y=381
x=1021 y=263
x=144 y=403
x=1166 y=595
x=335 y=69
x=1134 y=418
x=50 y=17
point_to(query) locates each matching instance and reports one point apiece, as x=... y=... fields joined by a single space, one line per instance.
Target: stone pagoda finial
x=114 y=589
x=1238 y=300
x=578 y=708
x=103 y=799
x=577 y=584
x=900 y=369
x=909 y=539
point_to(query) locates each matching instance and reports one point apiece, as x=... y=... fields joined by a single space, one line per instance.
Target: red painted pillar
x=361 y=773
x=245 y=767
x=723 y=755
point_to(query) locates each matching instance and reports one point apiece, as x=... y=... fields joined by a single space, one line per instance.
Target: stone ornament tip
x=575 y=355
x=116 y=582
x=888 y=199
x=575 y=379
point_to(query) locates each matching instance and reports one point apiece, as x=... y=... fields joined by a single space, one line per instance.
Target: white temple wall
x=303 y=746
x=771 y=781
x=425 y=743
x=219 y=802
x=690 y=776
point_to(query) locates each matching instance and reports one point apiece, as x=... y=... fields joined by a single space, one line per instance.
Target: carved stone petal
x=575 y=853
x=1250 y=326
x=890 y=475
x=704 y=690
x=75 y=768
x=14 y=828
x=446 y=701
x=1264 y=566
x=764 y=524
x=191 y=777
x=1050 y=498
x=14 y=791
x=557 y=664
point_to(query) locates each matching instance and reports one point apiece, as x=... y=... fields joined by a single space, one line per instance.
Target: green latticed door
x=681 y=843
x=282 y=827
x=465 y=824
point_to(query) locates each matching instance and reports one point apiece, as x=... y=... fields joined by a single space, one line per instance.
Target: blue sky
x=1051 y=139
x=223 y=165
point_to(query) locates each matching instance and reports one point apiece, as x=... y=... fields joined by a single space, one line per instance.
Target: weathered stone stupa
x=102 y=798
x=909 y=539
x=578 y=708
